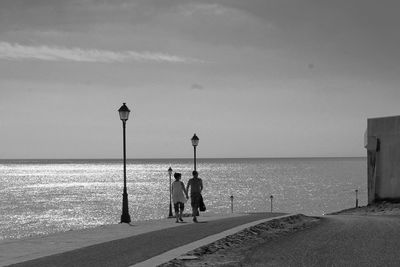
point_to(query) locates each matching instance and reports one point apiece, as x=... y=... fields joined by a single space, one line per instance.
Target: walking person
x=196 y=186
x=179 y=196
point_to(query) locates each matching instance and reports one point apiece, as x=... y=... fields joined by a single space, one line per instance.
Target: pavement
x=147 y=243
x=338 y=240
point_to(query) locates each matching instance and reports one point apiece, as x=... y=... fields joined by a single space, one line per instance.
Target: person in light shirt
x=179 y=196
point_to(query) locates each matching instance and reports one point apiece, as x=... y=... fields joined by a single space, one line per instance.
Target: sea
x=41 y=197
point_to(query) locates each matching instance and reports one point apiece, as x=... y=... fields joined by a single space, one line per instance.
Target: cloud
x=197 y=86
x=203 y=8
x=16 y=51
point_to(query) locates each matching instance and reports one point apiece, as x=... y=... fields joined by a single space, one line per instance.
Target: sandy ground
x=382 y=208
x=232 y=250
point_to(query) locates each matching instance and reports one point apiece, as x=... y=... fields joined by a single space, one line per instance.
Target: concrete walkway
x=143 y=243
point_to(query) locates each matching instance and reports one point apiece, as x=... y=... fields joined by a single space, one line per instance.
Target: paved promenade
x=339 y=240
x=142 y=243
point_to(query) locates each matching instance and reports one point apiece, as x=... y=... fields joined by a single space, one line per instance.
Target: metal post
x=125 y=217
x=231 y=204
x=170 y=193
x=271 y=197
x=194 y=147
x=356 y=198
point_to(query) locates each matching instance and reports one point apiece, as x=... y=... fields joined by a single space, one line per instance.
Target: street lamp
x=195 y=142
x=170 y=202
x=124 y=115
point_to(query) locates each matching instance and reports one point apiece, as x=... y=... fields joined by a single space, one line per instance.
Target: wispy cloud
x=197 y=86
x=16 y=51
x=203 y=8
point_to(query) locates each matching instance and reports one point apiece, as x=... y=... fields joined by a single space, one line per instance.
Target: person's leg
x=193 y=204
x=182 y=207
x=176 y=208
x=194 y=214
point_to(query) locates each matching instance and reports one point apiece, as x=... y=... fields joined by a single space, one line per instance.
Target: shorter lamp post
x=170 y=193
x=231 y=204
x=356 y=198
x=271 y=197
x=195 y=142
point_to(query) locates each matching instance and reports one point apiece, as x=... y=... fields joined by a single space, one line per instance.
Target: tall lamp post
x=195 y=142
x=124 y=115
x=170 y=202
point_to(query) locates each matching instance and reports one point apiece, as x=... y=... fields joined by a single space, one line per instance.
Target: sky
x=254 y=78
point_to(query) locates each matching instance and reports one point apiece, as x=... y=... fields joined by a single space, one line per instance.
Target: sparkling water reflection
x=42 y=197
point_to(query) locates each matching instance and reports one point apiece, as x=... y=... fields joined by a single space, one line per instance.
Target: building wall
x=383 y=158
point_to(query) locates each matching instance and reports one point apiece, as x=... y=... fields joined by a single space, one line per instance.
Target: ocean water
x=40 y=197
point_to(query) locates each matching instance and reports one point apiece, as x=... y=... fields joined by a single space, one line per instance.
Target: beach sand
x=381 y=208
x=232 y=250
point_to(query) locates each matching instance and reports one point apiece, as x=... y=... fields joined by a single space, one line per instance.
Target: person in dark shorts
x=196 y=186
x=179 y=196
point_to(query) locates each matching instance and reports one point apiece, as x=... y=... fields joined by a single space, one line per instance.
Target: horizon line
x=187 y=158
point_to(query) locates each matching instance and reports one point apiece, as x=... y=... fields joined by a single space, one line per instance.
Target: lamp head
x=195 y=140
x=170 y=171
x=124 y=112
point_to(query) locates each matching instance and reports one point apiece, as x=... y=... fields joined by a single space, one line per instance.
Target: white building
x=382 y=141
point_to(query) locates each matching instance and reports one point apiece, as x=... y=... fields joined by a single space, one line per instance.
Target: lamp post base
x=125 y=217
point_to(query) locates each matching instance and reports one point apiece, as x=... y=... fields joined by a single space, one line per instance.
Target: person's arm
x=201 y=185
x=187 y=187
x=184 y=190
